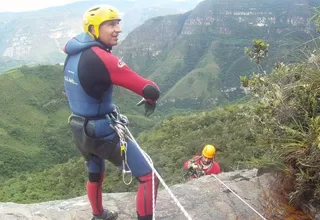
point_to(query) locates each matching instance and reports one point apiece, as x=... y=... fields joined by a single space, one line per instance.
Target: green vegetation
x=258 y=51
x=316 y=18
x=63 y=181
x=34 y=133
x=287 y=124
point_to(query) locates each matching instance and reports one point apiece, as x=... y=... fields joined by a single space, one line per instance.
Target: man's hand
x=195 y=166
x=148 y=107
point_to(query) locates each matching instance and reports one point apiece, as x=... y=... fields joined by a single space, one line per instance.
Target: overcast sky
x=29 y=5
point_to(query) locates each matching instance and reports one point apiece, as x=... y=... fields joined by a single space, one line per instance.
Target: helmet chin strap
x=106 y=47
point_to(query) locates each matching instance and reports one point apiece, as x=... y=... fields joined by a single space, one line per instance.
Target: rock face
x=205 y=198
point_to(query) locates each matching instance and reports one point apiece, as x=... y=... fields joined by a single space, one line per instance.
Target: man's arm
x=122 y=75
x=190 y=164
x=187 y=165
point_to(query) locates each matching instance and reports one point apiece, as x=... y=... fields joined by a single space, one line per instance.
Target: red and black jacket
x=90 y=72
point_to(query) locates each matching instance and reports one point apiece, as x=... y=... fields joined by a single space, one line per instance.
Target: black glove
x=148 y=107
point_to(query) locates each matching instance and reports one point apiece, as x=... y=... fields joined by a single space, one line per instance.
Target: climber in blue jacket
x=90 y=71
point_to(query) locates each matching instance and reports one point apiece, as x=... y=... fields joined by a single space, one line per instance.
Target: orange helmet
x=209 y=151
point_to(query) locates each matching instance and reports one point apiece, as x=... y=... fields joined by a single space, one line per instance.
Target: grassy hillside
x=34 y=132
x=202 y=81
x=33 y=127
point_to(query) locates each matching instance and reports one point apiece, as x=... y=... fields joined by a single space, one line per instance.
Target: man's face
x=109 y=32
x=206 y=161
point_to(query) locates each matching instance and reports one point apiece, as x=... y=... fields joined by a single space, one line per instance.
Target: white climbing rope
x=153 y=198
x=215 y=176
x=154 y=171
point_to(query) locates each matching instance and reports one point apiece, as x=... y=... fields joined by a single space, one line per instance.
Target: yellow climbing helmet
x=98 y=14
x=209 y=151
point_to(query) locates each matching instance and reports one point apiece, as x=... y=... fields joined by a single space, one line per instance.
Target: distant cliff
x=197 y=57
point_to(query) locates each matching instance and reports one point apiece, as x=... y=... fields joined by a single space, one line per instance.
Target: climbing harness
x=119 y=125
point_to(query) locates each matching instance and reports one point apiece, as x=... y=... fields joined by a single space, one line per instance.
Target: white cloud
x=185 y=0
x=29 y=5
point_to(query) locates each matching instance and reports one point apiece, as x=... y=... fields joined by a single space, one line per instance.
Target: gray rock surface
x=204 y=199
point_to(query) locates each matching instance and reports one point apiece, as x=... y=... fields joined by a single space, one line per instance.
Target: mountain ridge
x=26 y=37
x=166 y=49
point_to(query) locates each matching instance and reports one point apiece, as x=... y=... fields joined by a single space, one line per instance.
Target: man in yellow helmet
x=204 y=164
x=90 y=71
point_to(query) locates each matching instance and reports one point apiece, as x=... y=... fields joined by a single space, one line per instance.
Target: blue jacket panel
x=80 y=102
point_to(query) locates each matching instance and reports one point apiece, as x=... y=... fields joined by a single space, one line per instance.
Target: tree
x=316 y=19
x=258 y=51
